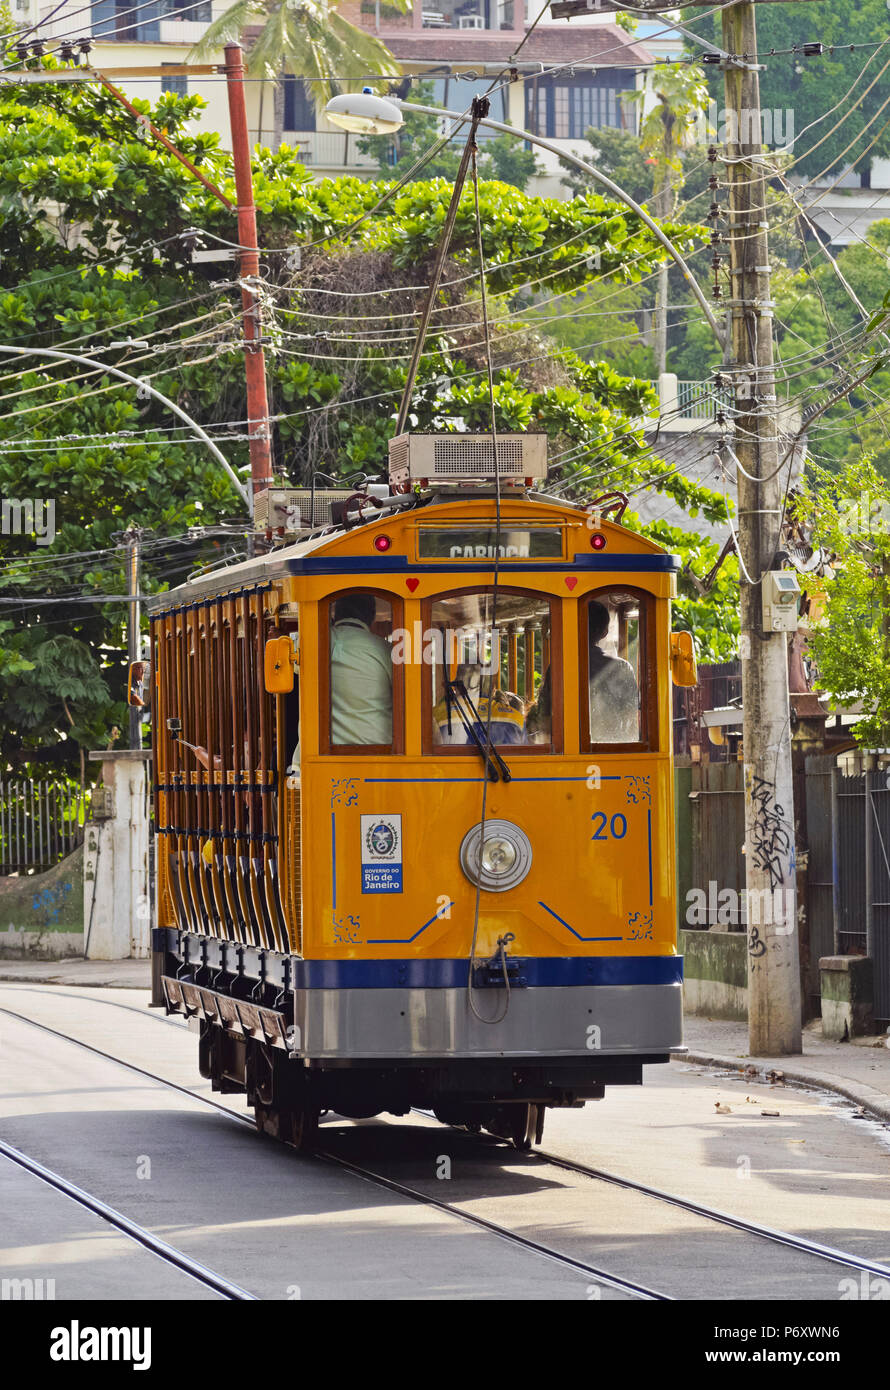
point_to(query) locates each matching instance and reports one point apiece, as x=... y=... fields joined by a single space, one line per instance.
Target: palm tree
x=305 y=38
x=665 y=132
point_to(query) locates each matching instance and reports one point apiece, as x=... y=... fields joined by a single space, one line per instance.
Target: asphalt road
x=283 y=1226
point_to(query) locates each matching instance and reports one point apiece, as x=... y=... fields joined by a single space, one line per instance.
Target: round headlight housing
x=496 y=856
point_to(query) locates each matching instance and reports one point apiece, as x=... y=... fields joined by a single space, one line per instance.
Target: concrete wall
x=116 y=890
x=715 y=973
x=41 y=915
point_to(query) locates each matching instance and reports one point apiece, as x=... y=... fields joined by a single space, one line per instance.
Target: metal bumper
x=577 y=1021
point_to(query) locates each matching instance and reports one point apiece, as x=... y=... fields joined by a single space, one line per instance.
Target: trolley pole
x=774 y=1026
x=134 y=556
x=259 y=441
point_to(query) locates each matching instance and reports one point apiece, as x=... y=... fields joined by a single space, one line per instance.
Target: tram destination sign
x=482 y=543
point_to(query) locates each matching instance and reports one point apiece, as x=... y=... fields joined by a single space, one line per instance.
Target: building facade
x=564 y=79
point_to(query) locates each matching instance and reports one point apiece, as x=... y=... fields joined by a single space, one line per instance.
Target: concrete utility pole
x=134 y=536
x=259 y=441
x=773 y=948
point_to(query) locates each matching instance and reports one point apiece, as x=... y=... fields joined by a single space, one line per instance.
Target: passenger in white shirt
x=361 y=675
x=614 y=697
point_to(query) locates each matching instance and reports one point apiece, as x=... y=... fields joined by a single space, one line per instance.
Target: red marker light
x=598 y=540
x=382 y=542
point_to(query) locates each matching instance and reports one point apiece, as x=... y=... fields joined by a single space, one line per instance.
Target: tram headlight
x=496 y=856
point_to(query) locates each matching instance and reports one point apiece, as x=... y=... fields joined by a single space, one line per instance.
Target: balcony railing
x=118 y=21
x=329 y=149
x=690 y=400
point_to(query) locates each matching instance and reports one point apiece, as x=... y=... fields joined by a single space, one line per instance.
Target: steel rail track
x=168 y=1253
x=601 y=1276
x=722 y=1218
x=770 y=1233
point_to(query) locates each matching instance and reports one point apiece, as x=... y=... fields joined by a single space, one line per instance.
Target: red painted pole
x=260 y=444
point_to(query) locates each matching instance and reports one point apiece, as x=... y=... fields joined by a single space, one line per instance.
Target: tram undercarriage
x=249 y=1044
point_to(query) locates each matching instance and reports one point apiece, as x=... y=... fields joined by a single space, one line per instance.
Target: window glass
x=456 y=94
x=489 y=664
x=614 y=631
x=361 y=670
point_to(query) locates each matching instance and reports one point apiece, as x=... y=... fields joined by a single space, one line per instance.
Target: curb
x=871 y=1101
x=57 y=981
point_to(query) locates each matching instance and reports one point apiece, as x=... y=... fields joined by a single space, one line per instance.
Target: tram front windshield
x=491 y=669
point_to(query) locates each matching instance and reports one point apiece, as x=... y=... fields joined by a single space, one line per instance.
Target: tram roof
x=278 y=563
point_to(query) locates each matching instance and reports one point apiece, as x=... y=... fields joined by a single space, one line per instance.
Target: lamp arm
x=600 y=177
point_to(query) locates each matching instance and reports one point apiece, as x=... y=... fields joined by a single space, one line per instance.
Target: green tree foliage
x=95 y=248
x=307 y=38
x=849 y=517
x=617 y=153
x=817 y=91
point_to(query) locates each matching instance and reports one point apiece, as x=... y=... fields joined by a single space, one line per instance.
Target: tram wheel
x=295 y=1127
x=524 y=1127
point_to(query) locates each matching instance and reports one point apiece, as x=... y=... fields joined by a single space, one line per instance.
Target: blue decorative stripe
x=562 y=971
x=399 y=564
x=406 y=940
x=576 y=934
x=612 y=777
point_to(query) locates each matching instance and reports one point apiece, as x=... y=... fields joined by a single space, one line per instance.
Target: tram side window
x=491 y=661
x=361 y=671
x=613 y=634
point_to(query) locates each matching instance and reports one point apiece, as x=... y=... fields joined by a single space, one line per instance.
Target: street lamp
x=379 y=115
x=364 y=113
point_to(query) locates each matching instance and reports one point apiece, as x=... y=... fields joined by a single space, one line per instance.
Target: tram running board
x=239 y=1016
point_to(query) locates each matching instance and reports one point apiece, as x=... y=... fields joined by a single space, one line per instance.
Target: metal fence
x=717 y=804
x=847 y=837
x=40 y=822
x=700 y=400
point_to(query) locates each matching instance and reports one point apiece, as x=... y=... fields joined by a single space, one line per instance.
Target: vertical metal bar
x=254 y=797
x=222 y=691
x=210 y=672
x=835 y=859
x=529 y=658
x=238 y=779
x=192 y=823
x=174 y=706
x=268 y=768
x=195 y=649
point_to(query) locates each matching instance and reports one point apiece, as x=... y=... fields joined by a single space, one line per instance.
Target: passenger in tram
x=361 y=675
x=614 y=695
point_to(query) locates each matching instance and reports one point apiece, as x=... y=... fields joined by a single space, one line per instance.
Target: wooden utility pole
x=774 y=1026
x=259 y=440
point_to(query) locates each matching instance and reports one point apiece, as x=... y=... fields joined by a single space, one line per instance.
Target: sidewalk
x=860 y=1070
x=99 y=974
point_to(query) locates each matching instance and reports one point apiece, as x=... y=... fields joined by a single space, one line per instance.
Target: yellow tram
x=414 y=809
